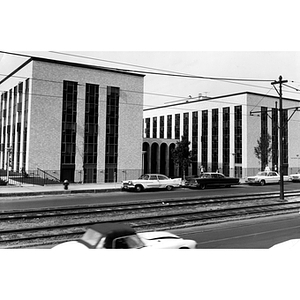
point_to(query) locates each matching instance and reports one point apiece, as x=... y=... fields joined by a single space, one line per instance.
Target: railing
x=31 y=177
x=47 y=176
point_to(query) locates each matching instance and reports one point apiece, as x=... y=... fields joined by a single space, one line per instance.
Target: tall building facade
x=223 y=132
x=72 y=121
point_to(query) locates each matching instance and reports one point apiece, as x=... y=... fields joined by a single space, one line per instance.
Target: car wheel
x=262 y=183
x=169 y=188
x=139 y=188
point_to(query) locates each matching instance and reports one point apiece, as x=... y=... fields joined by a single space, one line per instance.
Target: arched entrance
x=154 y=158
x=163 y=158
x=146 y=155
x=171 y=163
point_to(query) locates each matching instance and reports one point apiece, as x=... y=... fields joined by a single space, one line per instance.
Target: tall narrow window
x=238 y=134
x=177 y=126
x=112 y=134
x=226 y=140
x=194 y=143
x=91 y=133
x=147 y=129
x=186 y=125
x=26 y=104
x=204 y=139
x=161 y=126
x=68 y=142
x=285 y=142
x=215 y=139
x=169 y=126
x=275 y=139
x=154 y=128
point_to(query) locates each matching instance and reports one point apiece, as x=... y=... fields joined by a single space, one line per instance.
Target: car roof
x=107 y=228
x=112 y=231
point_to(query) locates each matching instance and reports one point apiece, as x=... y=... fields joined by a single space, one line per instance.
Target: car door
x=153 y=182
x=164 y=181
x=273 y=177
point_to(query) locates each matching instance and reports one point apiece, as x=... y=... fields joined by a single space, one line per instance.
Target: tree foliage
x=263 y=150
x=182 y=155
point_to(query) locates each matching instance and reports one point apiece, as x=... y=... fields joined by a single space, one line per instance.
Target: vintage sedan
x=293 y=244
x=123 y=236
x=294 y=177
x=151 y=181
x=211 y=179
x=263 y=178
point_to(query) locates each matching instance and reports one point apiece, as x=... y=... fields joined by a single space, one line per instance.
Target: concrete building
x=71 y=121
x=223 y=132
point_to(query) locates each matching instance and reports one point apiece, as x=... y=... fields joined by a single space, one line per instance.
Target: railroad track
x=36 y=227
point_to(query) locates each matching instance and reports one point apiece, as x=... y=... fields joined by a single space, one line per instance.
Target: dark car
x=211 y=179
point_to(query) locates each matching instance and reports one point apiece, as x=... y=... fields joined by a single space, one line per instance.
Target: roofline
x=73 y=64
x=217 y=97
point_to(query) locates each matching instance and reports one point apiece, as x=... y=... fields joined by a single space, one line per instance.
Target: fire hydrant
x=66 y=184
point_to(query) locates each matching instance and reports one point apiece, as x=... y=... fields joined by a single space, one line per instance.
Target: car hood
x=70 y=245
x=293 y=244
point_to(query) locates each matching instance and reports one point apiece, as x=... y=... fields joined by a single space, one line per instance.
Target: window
x=162 y=127
x=154 y=133
x=177 y=126
x=112 y=133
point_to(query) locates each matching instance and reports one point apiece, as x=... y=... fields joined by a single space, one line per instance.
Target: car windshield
x=92 y=237
x=128 y=242
x=262 y=174
x=144 y=177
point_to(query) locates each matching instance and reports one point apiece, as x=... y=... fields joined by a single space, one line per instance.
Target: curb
x=63 y=192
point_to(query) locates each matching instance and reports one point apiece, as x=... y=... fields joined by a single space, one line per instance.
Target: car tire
x=169 y=188
x=262 y=183
x=139 y=188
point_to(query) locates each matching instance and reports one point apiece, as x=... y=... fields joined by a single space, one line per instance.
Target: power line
x=175 y=74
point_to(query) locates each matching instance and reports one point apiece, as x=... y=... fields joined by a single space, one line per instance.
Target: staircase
x=38 y=177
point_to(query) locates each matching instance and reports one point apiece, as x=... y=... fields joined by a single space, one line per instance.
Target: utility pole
x=281 y=127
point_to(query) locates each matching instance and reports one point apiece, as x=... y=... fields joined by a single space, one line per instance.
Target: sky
x=161 y=90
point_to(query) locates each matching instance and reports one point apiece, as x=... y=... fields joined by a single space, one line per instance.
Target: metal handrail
x=46 y=173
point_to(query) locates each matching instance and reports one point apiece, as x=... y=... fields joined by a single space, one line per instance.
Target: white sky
x=229 y=64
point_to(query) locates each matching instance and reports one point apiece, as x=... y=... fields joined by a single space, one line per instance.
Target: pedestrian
x=217 y=171
x=201 y=170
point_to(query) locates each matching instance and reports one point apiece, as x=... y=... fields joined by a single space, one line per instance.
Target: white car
x=293 y=244
x=294 y=177
x=263 y=178
x=151 y=181
x=122 y=236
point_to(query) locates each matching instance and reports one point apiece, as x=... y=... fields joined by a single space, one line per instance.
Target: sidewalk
x=56 y=189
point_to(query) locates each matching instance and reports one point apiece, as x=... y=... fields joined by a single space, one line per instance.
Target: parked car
x=263 y=178
x=151 y=181
x=211 y=179
x=294 y=177
x=123 y=236
x=293 y=244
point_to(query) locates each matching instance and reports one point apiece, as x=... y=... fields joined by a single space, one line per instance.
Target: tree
x=263 y=150
x=182 y=155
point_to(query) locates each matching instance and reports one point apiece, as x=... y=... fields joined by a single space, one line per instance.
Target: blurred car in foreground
x=263 y=178
x=151 y=181
x=122 y=236
x=294 y=177
x=211 y=179
x=293 y=244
